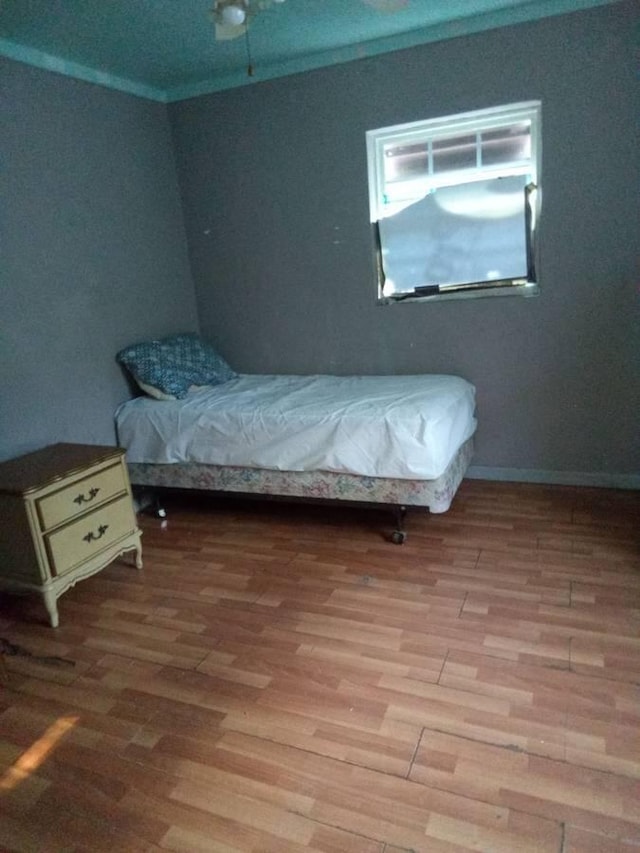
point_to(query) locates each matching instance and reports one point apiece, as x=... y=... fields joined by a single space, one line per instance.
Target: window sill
x=529 y=289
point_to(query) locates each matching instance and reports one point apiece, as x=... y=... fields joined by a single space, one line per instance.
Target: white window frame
x=426 y=131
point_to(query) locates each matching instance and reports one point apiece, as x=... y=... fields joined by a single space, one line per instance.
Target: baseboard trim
x=555 y=478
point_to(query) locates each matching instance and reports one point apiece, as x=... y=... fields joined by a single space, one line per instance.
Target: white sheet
x=406 y=427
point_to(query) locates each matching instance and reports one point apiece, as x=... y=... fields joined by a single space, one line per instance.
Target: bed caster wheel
x=398 y=537
x=160 y=511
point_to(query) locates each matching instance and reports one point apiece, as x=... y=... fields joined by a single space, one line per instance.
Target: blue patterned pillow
x=167 y=368
x=199 y=359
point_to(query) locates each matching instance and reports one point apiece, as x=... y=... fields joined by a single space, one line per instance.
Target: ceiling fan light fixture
x=233 y=15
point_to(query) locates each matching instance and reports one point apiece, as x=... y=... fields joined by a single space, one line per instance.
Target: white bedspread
x=406 y=427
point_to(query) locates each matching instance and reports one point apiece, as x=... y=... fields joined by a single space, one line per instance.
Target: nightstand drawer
x=82 y=539
x=82 y=495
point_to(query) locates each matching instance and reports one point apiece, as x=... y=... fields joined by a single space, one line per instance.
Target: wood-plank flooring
x=281 y=678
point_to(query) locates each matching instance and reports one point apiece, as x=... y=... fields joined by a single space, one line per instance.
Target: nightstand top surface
x=54 y=462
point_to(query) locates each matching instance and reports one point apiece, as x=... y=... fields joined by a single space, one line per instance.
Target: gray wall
x=93 y=253
x=274 y=187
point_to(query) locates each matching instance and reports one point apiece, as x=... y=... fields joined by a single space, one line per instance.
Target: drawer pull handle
x=83 y=499
x=91 y=536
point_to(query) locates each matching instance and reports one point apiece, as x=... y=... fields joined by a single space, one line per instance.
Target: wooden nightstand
x=65 y=513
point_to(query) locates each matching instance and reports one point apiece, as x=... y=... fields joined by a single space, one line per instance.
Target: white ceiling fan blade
x=225 y=32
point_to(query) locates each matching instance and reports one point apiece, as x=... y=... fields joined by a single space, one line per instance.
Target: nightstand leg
x=50 y=602
x=138 y=557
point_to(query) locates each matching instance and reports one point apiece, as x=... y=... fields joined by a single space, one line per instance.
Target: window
x=455 y=203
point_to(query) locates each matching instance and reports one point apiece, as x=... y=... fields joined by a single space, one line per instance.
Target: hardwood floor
x=280 y=678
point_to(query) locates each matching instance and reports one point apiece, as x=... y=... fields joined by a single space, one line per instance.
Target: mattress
x=404 y=427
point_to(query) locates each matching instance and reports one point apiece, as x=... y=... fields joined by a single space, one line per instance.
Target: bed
x=397 y=441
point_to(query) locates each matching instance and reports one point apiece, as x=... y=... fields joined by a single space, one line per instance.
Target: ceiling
x=166 y=49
